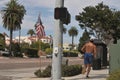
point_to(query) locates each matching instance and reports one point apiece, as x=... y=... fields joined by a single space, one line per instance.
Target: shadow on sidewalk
x=95 y=75
x=5 y=78
x=92 y=77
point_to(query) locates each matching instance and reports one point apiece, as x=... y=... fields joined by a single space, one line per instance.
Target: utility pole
x=57 y=45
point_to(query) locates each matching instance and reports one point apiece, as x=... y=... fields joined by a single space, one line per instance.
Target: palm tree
x=73 y=32
x=12 y=16
x=31 y=32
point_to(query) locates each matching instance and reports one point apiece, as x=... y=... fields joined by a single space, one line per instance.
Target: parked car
x=49 y=56
x=4 y=53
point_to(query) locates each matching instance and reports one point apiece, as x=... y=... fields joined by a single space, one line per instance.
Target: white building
x=46 y=39
x=29 y=39
x=67 y=47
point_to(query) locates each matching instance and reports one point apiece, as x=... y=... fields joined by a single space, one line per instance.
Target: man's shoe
x=87 y=77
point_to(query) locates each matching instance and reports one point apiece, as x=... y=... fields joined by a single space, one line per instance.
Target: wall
x=114 y=51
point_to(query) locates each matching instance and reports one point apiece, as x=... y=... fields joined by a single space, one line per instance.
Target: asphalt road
x=15 y=68
x=17 y=63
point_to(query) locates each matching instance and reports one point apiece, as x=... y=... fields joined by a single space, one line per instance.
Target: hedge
x=71 y=70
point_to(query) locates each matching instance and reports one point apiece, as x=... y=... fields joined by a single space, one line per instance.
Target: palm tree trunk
x=19 y=39
x=10 y=49
x=19 y=36
x=72 y=41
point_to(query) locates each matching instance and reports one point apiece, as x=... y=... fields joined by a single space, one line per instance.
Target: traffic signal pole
x=57 y=45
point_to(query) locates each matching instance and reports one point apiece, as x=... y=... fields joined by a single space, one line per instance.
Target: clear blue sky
x=46 y=9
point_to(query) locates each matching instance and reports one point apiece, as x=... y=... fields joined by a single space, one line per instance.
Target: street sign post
x=57 y=45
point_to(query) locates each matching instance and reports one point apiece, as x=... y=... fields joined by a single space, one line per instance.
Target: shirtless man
x=89 y=50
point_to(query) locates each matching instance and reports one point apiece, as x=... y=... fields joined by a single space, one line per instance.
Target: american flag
x=39 y=28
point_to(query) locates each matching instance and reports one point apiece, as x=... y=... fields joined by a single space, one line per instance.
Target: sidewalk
x=94 y=75
x=28 y=74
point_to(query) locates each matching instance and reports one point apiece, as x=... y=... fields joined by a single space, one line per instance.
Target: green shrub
x=48 y=51
x=66 y=71
x=38 y=73
x=70 y=54
x=31 y=52
x=44 y=73
x=71 y=70
x=17 y=54
x=114 y=75
x=47 y=72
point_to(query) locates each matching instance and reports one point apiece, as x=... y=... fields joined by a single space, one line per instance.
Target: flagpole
x=40 y=33
x=39 y=50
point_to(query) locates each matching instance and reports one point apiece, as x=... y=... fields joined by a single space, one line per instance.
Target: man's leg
x=88 y=70
x=84 y=69
x=90 y=59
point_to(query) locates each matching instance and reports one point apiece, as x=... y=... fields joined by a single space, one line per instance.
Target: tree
x=2 y=42
x=40 y=45
x=12 y=17
x=16 y=49
x=31 y=32
x=48 y=50
x=104 y=22
x=64 y=30
x=73 y=32
x=83 y=39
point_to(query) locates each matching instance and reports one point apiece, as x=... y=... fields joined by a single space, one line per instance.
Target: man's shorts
x=88 y=58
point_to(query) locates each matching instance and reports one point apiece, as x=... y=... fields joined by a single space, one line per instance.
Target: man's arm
x=83 y=48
